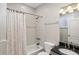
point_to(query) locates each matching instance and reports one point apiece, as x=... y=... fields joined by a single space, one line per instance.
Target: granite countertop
x=55 y=49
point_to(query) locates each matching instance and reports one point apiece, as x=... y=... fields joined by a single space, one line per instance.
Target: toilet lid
x=42 y=53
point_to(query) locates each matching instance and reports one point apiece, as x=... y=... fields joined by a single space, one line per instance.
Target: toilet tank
x=48 y=46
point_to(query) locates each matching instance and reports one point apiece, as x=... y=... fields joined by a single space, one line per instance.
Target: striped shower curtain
x=16 y=33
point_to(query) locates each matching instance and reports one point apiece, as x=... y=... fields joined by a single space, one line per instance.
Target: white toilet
x=48 y=47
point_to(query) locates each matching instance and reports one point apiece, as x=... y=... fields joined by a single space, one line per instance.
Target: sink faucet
x=65 y=45
x=73 y=47
x=68 y=45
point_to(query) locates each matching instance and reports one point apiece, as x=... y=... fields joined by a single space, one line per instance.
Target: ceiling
x=33 y=5
x=36 y=5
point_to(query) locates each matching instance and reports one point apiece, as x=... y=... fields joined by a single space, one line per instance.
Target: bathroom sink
x=67 y=51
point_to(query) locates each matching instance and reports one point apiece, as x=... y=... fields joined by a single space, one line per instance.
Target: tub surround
x=33 y=49
x=62 y=45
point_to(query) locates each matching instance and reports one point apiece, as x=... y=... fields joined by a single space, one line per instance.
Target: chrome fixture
x=23 y=12
x=68 y=45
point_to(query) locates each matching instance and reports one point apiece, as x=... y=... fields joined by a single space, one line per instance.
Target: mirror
x=69 y=24
x=63 y=29
x=69 y=30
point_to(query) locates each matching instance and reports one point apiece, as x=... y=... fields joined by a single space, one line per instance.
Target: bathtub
x=33 y=50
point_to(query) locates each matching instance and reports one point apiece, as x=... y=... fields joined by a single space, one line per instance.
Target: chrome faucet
x=65 y=45
x=73 y=48
x=68 y=45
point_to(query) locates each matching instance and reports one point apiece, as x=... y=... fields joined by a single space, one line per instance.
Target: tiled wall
x=3 y=47
x=31 y=29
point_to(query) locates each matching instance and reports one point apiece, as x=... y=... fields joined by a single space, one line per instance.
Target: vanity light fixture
x=69 y=9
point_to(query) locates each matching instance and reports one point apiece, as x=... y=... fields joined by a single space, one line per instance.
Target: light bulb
x=77 y=6
x=69 y=9
x=61 y=11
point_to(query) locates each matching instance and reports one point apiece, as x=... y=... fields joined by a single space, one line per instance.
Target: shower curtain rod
x=23 y=12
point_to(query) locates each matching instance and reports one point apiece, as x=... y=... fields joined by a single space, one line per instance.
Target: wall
x=30 y=21
x=3 y=41
x=48 y=27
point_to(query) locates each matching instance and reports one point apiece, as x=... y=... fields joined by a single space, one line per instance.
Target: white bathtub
x=32 y=49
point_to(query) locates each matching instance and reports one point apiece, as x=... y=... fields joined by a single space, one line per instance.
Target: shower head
x=37 y=17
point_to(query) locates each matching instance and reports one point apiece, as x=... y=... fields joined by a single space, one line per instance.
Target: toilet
x=47 y=46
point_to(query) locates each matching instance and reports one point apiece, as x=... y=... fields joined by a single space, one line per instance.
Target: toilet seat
x=43 y=53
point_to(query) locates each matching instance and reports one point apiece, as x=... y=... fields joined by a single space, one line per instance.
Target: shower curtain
x=16 y=33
